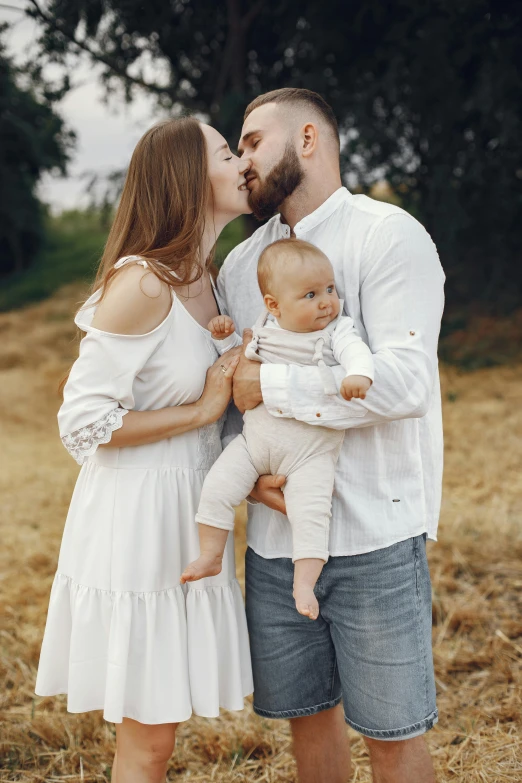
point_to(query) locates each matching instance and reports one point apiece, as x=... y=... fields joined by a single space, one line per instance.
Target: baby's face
x=306 y=297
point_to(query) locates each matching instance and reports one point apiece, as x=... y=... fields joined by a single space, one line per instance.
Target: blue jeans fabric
x=370 y=646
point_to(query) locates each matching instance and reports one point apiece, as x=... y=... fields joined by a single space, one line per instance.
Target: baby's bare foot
x=205 y=565
x=306 y=602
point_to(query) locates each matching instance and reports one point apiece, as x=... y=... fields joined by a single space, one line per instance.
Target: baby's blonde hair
x=281 y=252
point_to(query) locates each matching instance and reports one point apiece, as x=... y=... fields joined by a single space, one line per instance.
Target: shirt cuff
x=229 y=342
x=274 y=388
x=361 y=369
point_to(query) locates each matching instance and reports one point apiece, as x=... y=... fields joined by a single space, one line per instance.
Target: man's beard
x=280 y=183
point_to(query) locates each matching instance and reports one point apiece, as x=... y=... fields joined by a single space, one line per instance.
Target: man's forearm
x=398 y=392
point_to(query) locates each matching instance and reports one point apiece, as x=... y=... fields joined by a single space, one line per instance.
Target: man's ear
x=271 y=305
x=309 y=139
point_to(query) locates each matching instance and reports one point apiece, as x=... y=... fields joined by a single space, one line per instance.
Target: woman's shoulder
x=135 y=302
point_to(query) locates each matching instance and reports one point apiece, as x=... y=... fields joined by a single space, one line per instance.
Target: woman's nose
x=244 y=165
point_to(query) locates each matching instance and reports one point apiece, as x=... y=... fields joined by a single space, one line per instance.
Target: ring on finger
x=223 y=368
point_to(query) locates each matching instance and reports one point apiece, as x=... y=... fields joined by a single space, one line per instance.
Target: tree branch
x=97 y=56
x=251 y=15
x=226 y=60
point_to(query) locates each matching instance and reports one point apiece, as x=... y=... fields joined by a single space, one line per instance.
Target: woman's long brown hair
x=161 y=214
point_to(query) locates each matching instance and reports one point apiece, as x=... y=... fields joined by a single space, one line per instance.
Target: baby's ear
x=271 y=305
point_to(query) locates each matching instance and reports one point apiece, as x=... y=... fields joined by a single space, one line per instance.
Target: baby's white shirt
x=338 y=343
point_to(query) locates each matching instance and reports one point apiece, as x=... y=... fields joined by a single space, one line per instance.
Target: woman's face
x=226 y=174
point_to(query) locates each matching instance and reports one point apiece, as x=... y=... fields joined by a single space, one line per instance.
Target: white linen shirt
x=389 y=473
x=338 y=343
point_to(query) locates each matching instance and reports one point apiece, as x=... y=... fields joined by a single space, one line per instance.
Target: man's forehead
x=261 y=119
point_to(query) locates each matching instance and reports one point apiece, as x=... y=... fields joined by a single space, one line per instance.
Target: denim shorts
x=370 y=646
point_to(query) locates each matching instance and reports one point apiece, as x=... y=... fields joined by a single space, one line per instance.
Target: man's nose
x=244 y=165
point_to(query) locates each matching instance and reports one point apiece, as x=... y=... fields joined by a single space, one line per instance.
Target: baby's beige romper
x=306 y=455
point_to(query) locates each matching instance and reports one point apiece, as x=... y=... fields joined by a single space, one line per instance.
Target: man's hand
x=246 y=388
x=268 y=491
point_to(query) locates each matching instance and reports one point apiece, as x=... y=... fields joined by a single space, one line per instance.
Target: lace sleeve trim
x=84 y=442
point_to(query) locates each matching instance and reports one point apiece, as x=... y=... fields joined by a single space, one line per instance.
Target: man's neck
x=306 y=199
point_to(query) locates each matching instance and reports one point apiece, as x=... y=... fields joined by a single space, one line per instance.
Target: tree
x=428 y=94
x=33 y=140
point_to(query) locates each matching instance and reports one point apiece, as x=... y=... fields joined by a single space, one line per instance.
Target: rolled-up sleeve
x=402 y=299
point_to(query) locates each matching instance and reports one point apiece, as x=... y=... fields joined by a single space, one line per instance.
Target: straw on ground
x=476 y=572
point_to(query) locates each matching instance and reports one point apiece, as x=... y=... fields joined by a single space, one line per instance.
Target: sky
x=106 y=134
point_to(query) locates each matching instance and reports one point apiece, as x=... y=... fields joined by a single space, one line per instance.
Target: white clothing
x=338 y=343
x=305 y=455
x=122 y=635
x=389 y=473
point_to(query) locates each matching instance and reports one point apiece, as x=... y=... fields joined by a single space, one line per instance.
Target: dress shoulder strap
x=125 y=260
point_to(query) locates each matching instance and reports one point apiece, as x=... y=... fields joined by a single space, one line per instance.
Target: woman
x=141 y=415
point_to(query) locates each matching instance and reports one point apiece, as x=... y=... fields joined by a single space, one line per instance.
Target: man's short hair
x=280 y=252
x=298 y=95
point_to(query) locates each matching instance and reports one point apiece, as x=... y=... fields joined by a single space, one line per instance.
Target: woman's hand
x=218 y=388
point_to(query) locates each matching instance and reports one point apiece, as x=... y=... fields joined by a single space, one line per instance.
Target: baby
x=302 y=324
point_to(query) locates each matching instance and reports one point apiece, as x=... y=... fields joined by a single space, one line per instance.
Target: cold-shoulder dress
x=122 y=634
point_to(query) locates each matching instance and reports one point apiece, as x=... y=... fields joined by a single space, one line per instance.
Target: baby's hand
x=355 y=387
x=221 y=326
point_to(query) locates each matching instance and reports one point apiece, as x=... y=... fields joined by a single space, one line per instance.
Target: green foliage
x=72 y=246
x=428 y=94
x=71 y=251
x=32 y=140
x=231 y=236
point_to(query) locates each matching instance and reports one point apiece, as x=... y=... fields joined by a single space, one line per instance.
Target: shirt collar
x=322 y=212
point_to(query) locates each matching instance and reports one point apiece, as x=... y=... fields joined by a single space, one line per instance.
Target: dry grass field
x=476 y=571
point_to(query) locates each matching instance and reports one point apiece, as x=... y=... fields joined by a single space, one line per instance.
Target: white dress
x=122 y=634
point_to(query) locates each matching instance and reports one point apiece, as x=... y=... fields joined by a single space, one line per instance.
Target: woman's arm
x=130 y=323
x=140 y=427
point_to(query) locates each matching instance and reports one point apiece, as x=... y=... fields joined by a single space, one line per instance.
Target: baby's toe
x=189 y=574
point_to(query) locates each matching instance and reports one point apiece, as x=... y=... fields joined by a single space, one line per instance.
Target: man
x=371 y=645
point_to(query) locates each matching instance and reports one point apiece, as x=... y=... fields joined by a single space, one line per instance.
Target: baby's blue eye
x=309 y=295
x=330 y=289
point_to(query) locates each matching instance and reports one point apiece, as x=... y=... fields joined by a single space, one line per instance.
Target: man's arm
x=401 y=301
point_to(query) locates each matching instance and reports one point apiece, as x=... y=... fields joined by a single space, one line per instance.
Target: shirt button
x=412 y=333
x=281 y=412
x=318 y=415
